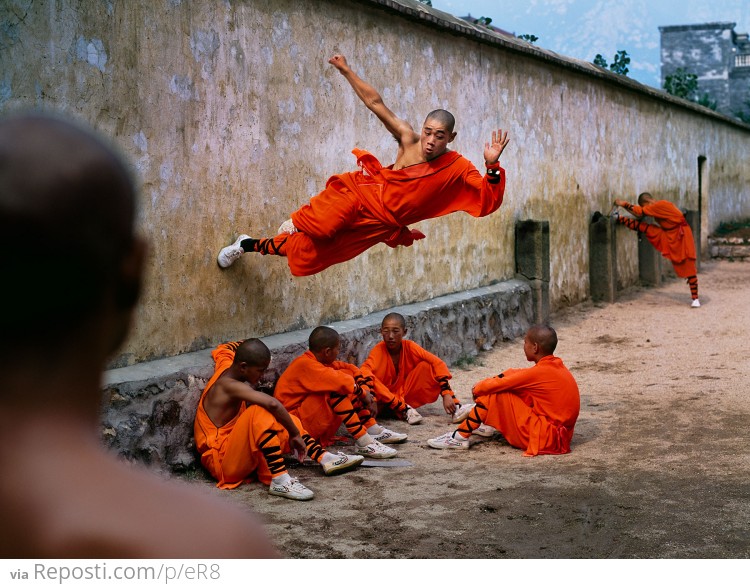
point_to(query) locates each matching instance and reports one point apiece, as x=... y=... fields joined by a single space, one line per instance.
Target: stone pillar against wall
x=693 y=217
x=602 y=260
x=650 y=269
x=533 y=262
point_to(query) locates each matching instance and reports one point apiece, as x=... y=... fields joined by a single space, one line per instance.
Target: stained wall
x=231 y=118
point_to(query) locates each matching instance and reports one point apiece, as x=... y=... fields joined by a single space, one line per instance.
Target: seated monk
x=358 y=210
x=404 y=376
x=241 y=432
x=326 y=393
x=534 y=408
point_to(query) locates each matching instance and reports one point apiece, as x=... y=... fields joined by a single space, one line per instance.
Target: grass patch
x=728 y=227
x=467 y=362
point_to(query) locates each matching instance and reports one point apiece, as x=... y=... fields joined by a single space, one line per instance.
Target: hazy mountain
x=583 y=28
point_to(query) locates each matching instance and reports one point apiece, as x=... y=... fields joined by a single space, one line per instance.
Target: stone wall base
x=148 y=408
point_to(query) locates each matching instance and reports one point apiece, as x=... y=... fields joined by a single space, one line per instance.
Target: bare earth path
x=659 y=467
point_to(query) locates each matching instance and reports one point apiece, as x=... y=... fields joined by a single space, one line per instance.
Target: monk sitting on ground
x=360 y=209
x=534 y=408
x=326 y=393
x=240 y=431
x=672 y=235
x=404 y=376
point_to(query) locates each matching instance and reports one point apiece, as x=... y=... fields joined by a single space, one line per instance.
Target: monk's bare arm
x=241 y=391
x=400 y=129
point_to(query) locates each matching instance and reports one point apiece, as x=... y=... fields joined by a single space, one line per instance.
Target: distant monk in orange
x=405 y=376
x=672 y=235
x=241 y=432
x=534 y=408
x=359 y=209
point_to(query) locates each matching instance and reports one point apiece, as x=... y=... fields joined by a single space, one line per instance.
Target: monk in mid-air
x=404 y=376
x=534 y=408
x=671 y=235
x=376 y=204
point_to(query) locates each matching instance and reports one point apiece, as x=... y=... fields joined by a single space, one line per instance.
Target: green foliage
x=619 y=65
x=682 y=84
x=529 y=38
x=600 y=61
x=728 y=227
x=426 y=2
x=484 y=20
x=465 y=362
x=744 y=115
x=706 y=101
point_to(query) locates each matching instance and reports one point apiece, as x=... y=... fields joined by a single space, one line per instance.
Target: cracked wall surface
x=231 y=118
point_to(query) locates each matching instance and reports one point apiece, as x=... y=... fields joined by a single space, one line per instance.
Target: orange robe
x=673 y=238
x=534 y=408
x=360 y=209
x=305 y=387
x=416 y=381
x=230 y=453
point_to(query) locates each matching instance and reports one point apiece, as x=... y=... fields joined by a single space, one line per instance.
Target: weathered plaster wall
x=232 y=118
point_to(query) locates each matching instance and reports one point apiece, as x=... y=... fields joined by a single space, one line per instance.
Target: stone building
x=718 y=55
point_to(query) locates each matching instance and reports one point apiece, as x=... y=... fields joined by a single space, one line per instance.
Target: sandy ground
x=659 y=466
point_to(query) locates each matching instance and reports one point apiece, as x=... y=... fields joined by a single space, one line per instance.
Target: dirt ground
x=659 y=463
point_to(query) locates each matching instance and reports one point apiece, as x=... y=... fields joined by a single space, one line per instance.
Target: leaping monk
x=357 y=210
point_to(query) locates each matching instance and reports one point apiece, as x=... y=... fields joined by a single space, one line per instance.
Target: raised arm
x=401 y=130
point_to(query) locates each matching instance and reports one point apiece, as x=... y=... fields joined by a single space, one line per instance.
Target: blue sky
x=583 y=28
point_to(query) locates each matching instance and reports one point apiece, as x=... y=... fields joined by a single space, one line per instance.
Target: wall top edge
x=414 y=10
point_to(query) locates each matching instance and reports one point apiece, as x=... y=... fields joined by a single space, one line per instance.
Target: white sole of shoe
x=348 y=465
x=378 y=455
x=291 y=495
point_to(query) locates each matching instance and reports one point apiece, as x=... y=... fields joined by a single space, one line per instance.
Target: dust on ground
x=658 y=468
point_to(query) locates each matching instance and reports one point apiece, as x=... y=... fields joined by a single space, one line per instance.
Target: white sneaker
x=462 y=412
x=287 y=227
x=389 y=437
x=229 y=254
x=696 y=304
x=377 y=450
x=342 y=463
x=412 y=416
x=291 y=489
x=484 y=431
x=450 y=440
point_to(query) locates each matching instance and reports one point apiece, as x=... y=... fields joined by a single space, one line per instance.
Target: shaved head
x=253 y=352
x=443 y=117
x=322 y=338
x=644 y=198
x=545 y=337
x=67 y=208
x=397 y=317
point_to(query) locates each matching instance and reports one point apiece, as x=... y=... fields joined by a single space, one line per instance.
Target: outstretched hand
x=339 y=62
x=620 y=202
x=493 y=150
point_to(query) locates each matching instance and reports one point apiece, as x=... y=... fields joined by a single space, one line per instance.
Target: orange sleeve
x=374 y=369
x=505 y=382
x=438 y=366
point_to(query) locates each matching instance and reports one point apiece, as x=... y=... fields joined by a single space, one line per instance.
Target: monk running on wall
x=358 y=210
